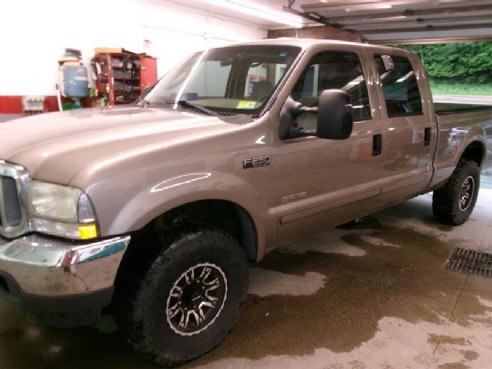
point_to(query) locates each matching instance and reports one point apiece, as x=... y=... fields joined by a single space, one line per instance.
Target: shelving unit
x=123 y=76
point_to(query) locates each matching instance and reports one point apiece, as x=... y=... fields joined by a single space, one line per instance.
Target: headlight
x=61 y=210
x=55 y=202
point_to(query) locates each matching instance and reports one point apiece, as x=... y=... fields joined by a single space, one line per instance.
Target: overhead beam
x=337 y=3
x=421 y=20
x=408 y=12
x=315 y=17
x=434 y=40
x=341 y=5
x=428 y=28
x=443 y=22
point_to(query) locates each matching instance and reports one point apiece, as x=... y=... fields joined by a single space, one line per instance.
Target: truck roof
x=309 y=42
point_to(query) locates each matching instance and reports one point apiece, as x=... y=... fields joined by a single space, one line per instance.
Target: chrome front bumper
x=50 y=268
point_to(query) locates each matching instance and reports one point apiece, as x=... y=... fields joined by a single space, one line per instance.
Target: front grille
x=11 y=203
x=13 y=187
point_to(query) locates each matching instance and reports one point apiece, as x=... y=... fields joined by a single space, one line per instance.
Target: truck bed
x=448 y=108
x=455 y=121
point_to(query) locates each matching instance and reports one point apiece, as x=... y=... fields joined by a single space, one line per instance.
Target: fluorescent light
x=259 y=11
x=370 y=6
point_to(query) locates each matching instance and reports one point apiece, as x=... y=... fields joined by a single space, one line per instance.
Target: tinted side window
x=401 y=91
x=334 y=70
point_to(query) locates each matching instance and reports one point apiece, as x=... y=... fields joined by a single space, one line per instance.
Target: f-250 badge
x=259 y=161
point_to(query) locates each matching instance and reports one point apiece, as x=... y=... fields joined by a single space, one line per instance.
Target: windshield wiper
x=201 y=108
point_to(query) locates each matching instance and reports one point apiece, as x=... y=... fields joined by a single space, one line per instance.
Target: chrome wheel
x=466 y=193
x=181 y=296
x=196 y=299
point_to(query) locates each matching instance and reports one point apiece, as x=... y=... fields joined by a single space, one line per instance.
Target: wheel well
x=219 y=214
x=475 y=152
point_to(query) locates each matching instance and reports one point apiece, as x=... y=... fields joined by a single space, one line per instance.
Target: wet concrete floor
x=371 y=295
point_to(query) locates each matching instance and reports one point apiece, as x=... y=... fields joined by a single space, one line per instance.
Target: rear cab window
x=400 y=88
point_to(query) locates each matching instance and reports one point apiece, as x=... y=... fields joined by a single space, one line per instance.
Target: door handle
x=377 y=144
x=427 y=136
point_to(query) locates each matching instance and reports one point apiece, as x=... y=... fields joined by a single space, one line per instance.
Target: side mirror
x=287 y=125
x=334 y=122
x=335 y=117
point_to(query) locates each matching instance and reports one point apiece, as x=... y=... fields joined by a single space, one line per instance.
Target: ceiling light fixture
x=259 y=11
x=370 y=6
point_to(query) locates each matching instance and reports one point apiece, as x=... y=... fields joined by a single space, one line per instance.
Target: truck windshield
x=225 y=81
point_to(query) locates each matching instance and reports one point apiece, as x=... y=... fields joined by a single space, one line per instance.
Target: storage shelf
x=111 y=81
x=126 y=79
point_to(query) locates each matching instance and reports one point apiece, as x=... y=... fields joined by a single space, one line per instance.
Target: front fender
x=136 y=206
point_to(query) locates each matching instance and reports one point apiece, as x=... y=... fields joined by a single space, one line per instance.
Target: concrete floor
x=374 y=295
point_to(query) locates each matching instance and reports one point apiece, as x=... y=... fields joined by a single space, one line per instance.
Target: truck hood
x=55 y=147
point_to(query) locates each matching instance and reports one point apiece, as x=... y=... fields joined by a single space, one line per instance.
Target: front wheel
x=454 y=202
x=188 y=300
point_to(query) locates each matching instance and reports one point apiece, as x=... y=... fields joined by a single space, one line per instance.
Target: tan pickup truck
x=154 y=210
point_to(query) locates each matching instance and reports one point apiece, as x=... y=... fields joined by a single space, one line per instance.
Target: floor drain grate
x=470 y=262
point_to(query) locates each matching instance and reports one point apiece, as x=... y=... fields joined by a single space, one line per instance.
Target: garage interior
x=380 y=292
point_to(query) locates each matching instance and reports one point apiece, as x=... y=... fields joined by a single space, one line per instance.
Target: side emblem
x=256 y=162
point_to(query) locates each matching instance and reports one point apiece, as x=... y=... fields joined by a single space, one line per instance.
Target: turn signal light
x=87 y=231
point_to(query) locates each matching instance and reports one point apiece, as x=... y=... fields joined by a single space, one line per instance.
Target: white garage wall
x=35 y=33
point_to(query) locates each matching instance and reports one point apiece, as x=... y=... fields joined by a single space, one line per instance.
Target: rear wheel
x=454 y=202
x=188 y=299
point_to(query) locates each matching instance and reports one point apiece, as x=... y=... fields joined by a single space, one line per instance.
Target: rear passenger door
x=408 y=134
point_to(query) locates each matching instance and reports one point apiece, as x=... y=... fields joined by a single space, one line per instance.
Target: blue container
x=75 y=81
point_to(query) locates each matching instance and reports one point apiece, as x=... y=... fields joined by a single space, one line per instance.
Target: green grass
x=460 y=88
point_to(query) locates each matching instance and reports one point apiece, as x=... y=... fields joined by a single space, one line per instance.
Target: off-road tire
x=454 y=202
x=144 y=305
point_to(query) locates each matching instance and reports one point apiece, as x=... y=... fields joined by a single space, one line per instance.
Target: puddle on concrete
x=440 y=339
x=453 y=366
x=264 y=283
x=417 y=214
x=397 y=344
x=470 y=355
x=407 y=282
x=25 y=345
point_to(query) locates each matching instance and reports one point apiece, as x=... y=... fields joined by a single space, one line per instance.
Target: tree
x=468 y=61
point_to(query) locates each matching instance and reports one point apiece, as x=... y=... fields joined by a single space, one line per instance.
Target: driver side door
x=323 y=182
